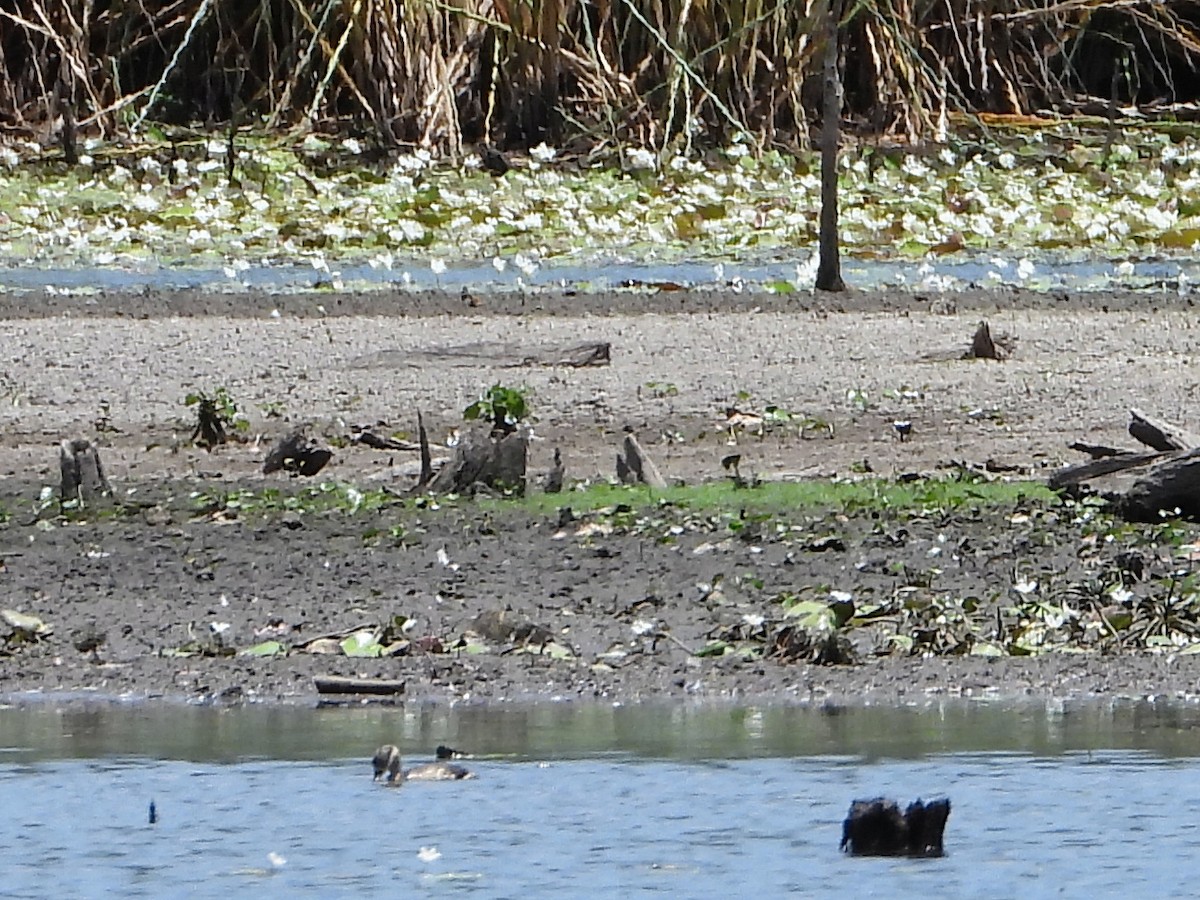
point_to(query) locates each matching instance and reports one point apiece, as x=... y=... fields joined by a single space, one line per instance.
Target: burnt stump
x=878 y=828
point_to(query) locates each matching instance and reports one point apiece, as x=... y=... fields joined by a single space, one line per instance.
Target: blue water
x=949 y=273
x=737 y=818
x=1074 y=826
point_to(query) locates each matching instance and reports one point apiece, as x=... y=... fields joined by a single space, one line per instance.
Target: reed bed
x=584 y=74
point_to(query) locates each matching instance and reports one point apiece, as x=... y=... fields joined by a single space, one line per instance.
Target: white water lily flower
x=406 y=231
x=1121 y=595
x=527 y=265
x=640 y=158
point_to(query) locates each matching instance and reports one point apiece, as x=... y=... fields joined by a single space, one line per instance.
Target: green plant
x=503 y=406
x=215 y=413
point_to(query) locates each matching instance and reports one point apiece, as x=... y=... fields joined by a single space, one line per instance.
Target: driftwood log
x=1168 y=490
x=635 y=467
x=83 y=479
x=501 y=355
x=1158 y=435
x=1146 y=487
x=295 y=454
x=337 y=684
x=878 y=828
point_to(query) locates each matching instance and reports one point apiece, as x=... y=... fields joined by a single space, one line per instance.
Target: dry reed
x=597 y=75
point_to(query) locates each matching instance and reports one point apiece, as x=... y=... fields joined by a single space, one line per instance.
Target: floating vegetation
x=1021 y=201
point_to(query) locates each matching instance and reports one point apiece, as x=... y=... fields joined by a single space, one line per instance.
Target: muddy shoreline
x=165 y=577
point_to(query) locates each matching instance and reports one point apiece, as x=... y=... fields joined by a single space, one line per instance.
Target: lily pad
x=362 y=644
x=25 y=624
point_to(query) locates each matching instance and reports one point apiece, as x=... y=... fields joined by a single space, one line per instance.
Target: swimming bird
x=387 y=759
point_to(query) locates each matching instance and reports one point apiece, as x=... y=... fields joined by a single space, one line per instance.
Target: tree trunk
x=829 y=270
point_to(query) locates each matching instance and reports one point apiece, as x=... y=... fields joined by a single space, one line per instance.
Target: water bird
x=387 y=759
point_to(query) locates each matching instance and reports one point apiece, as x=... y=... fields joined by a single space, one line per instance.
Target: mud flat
x=146 y=602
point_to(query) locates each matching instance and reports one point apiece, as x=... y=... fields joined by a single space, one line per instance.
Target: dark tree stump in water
x=295 y=454
x=878 y=828
x=83 y=477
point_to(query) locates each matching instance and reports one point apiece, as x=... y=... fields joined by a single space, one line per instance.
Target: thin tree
x=829 y=269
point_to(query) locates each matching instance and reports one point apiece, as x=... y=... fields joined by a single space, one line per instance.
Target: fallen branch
x=337 y=684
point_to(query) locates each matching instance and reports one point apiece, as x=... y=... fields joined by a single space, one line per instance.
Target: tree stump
x=83 y=479
x=484 y=457
x=635 y=467
x=878 y=828
x=295 y=454
x=553 y=483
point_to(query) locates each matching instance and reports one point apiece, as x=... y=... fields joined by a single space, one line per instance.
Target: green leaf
x=713 y=648
x=552 y=649
x=266 y=648
x=814 y=615
x=362 y=644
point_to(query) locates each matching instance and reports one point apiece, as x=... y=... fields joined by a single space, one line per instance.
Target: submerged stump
x=878 y=828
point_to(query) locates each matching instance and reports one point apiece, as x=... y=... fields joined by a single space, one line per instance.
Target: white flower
x=639 y=158
x=526 y=264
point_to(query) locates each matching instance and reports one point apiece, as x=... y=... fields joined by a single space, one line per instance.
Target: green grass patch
x=919 y=496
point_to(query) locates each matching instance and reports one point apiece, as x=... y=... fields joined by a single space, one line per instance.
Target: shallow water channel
x=1067 y=800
